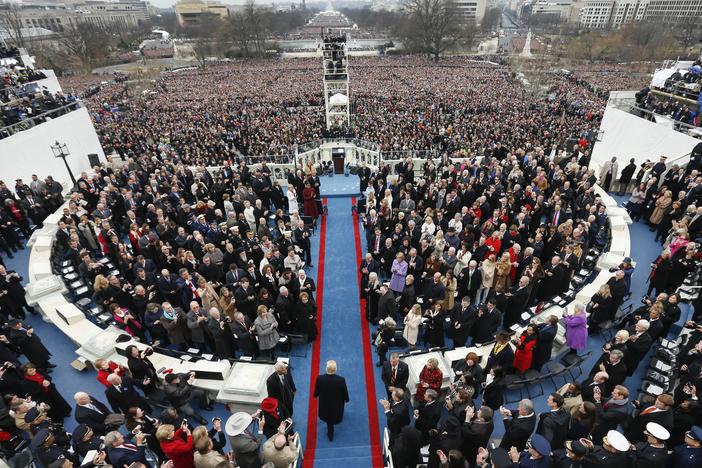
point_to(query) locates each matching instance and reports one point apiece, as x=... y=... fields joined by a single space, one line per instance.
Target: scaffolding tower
x=337 y=103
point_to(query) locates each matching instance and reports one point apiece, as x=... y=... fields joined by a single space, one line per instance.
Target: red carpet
x=311 y=443
x=373 y=430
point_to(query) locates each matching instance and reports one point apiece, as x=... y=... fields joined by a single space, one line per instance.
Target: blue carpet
x=340 y=186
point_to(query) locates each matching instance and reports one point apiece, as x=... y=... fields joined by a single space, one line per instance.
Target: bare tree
x=687 y=32
x=432 y=26
x=205 y=35
x=11 y=23
x=86 y=43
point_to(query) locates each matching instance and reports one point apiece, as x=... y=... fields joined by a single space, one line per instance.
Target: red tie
x=394 y=376
x=377 y=243
x=555 y=217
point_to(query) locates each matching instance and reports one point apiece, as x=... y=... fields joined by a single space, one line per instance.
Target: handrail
x=31 y=122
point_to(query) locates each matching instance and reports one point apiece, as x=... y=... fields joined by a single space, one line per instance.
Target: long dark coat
x=333 y=395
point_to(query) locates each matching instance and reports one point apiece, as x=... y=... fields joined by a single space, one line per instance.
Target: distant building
x=615 y=13
x=59 y=17
x=189 y=12
x=473 y=11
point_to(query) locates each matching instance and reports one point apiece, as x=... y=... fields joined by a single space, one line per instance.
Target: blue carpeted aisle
x=341 y=341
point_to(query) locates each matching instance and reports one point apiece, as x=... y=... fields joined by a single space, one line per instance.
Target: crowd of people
x=33 y=108
x=457 y=253
x=216 y=261
x=208 y=261
x=401 y=103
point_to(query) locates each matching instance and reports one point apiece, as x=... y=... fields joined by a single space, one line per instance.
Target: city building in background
x=189 y=12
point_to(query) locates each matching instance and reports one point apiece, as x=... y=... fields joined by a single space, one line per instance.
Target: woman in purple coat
x=576 y=328
x=399 y=271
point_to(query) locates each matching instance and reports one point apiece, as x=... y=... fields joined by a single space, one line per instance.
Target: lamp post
x=61 y=151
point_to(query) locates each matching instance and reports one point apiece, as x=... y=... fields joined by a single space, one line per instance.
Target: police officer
x=37 y=419
x=85 y=440
x=536 y=455
x=689 y=454
x=611 y=454
x=48 y=450
x=571 y=456
x=652 y=453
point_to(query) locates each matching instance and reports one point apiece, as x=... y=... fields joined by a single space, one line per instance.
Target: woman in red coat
x=177 y=445
x=525 y=348
x=430 y=377
x=310 y=201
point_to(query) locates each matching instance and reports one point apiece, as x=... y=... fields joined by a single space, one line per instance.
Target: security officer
x=652 y=453
x=37 y=419
x=571 y=456
x=611 y=454
x=85 y=440
x=689 y=454
x=536 y=455
x=48 y=450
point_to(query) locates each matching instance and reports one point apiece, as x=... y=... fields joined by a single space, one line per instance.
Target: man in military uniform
x=652 y=453
x=611 y=454
x=85 y=440
x=536 y=455
x=689 y=454
x=569 y=457
x=48 y=450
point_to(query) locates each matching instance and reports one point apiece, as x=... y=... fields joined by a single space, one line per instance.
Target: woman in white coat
x=412 y=321
x=292 y=200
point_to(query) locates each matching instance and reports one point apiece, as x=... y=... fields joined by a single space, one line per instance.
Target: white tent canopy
x=338 y=99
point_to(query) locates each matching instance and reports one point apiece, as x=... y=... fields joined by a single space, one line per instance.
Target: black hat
x=13 y=322
x=500 y=458
x=31 y=415
x=79 y=432
x=576 y=447
x=170 y=377
x=39 y=438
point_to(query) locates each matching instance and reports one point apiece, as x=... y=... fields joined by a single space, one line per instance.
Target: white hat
x=237 y=422
x=657 y=431
x=617 y=440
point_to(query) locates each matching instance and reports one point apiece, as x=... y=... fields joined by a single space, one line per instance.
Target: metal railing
x=33 y=121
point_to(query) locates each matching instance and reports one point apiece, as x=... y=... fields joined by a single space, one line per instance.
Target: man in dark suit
x=281 y=386
x=377 y=244
x=610 y=413
x=544 y=342
x=487 y=322
x=301 y=282
x=616 y=370
x=476 y=430
x=660 y=412
x=397 y=411
x=553 y=282
x=553 y=425
x=168 y=288
x=332 y=394
x=517 y=301
x=501 y=355
x=519 y=424
x=91 y=412
x=637 y=346
x=121 y=453
x=598 y=383
x=406 y=448
x=469 y=280
x=463 y=317
x=386 y=303
x=427 y=416
x=395 y=374
x=122 y=395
